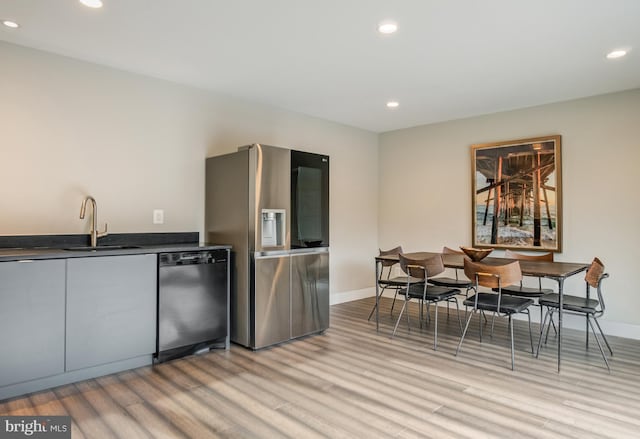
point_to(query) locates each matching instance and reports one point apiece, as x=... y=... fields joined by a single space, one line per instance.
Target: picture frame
x=516 y=197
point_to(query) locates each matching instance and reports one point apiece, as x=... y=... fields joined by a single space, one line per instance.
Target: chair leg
x=544 y=321
x=586 y=338
x=546 y=338
x=395 y=328
x=530 y=335
x=511 y=333
x=466 y=296
x=480 y=324
x=493 y=321
x=530 y=332
x=380 y=297
x=604 y=357
x=541 y=313
x=428 y=317
x=464 y=332
x=603 y=337
x=374 y=308
x=553 y=325
x=435 y=326
x=394 y=301
x=458 y=312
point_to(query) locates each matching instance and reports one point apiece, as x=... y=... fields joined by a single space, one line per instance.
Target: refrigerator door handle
x=295 y=252
x=308 y=251
x=271 y=254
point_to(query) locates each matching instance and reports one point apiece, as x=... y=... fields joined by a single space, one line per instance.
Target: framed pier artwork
x=517 y=194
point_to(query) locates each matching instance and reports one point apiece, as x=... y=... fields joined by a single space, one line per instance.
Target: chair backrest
x=394 y=251
x=450 y=251
x=422 y=268
x=547 y=257
x=493 y=276
x=594 y=273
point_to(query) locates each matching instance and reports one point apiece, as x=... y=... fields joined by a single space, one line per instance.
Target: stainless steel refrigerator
x=272 y=205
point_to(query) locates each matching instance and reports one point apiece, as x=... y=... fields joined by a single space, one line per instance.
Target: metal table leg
x=377 y=295
x=587 y=318
x=560 y=284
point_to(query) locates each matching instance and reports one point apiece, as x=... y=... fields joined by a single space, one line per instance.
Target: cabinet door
x=271 y=301
x=309 y=293
x=31 y=320
x=111 y=309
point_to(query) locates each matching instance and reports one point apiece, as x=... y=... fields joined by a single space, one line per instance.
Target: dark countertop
x=16 y=254
x=22 y=247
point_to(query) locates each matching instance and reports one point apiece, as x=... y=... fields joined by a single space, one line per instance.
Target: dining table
x=558 y=271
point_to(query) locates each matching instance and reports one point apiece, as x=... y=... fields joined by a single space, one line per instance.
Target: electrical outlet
x=158 y=216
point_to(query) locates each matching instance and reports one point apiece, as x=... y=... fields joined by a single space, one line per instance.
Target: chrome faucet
x=94 y=220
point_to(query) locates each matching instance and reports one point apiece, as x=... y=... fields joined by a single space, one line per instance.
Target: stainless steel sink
x=101 y=248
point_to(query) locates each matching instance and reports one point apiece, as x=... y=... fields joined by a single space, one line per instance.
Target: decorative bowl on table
x=476 y=254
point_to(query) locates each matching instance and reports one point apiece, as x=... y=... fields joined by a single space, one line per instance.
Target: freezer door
x=271 y=301
x=309 y=293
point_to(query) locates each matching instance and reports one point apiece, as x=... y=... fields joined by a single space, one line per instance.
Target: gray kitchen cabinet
x=111 y=309
x=32 y=296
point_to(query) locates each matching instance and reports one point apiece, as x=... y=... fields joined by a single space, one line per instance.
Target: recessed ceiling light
x=92 y=3
x=387 y=27
x=11 y=24
x=616 y=54
x=392 y=104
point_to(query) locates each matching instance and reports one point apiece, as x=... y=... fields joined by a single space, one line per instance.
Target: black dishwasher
x=192 y=302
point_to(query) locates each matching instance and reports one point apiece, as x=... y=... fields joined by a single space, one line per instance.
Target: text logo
x=35 y=427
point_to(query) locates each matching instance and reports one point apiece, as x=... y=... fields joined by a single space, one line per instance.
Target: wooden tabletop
x=555 y=270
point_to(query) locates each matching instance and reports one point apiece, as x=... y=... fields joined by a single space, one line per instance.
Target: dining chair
x=457 y=282
x=424 y=292
x=578 y=305
x=445 y=281
x=387 y=282
x=495 y=276
x=529 y=292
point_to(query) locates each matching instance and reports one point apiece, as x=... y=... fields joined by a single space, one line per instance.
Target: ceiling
x=450 y=59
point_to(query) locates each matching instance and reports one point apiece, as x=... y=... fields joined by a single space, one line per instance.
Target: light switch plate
x=158 y=216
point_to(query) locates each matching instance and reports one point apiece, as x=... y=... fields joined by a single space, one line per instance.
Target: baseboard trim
x=349 y=296
x=38 y=384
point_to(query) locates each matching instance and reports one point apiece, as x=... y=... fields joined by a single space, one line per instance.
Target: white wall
x=425 y=186
x=71 y=128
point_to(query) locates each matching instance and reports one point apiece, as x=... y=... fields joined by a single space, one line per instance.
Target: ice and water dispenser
x=273 y=227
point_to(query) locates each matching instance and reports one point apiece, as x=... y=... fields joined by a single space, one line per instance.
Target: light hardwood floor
x=352 y=382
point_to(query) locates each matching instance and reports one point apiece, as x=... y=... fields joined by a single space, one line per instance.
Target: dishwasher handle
x=190 y=258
